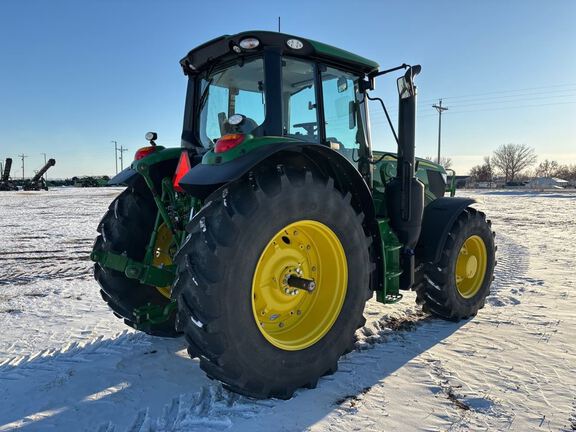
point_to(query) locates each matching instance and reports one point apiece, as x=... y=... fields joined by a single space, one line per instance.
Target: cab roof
x=226 y=46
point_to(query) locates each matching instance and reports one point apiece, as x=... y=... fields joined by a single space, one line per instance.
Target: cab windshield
x=231 y=100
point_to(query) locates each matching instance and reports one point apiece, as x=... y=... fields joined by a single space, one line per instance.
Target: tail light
x=143 y=152
x=181 y=170
x=228 y=142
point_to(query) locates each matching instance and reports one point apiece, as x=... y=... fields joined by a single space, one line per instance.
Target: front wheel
x=456 y=287
x=272 y=282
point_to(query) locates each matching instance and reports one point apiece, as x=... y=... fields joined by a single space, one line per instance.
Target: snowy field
x=67 y=364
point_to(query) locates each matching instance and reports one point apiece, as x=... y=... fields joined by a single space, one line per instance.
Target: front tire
x=240 y=317
x=456 y=287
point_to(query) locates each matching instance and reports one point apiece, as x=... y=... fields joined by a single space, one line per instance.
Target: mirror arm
x=384 y=72
x=387 y=116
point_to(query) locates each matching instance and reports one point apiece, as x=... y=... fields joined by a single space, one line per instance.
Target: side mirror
x=406 y=87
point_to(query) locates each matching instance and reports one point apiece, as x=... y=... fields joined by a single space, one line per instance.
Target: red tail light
x=181 y=170
x=143 y=152
x=228 y=142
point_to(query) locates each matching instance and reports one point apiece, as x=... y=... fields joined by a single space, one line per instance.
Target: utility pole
x=22 y=156
x=46 y=173
x=439 y=108
x=122 y=150
x=115 y=154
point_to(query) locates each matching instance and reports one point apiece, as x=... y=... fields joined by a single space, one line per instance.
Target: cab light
x=228 y=142
x=143 y=152
x=181 y=170
x=295 y=44
x=249 y=43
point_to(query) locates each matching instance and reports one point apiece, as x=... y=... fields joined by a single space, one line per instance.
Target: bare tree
x=445 y=161
x=511 y=159
x=547 y=168
x=482 y=173
x=566 y=172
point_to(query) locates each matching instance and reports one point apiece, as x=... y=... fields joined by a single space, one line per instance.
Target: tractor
x=261 y=238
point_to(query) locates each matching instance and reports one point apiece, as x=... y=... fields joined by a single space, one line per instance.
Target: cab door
x=341 y=102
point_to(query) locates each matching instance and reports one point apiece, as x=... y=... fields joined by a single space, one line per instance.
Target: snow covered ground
x=67 y=364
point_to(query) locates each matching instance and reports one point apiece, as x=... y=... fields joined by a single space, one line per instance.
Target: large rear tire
x=250 y=329
x=126 y=228
x=456 y=287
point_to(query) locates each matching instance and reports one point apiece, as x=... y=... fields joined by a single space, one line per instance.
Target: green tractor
x=261 y=238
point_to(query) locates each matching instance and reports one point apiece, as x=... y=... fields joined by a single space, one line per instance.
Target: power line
x=457 y=106
x=502 y=92
x=509 y=99
x=514 y=107
x=455 y=111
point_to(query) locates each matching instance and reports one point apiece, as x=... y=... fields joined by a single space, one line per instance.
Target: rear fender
x=156 y=164
x=203 y=179
x=439 y=216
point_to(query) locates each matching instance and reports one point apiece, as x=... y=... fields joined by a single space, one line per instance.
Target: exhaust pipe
x=405 y=193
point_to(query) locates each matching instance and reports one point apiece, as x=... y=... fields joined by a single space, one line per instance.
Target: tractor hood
x=228 y=47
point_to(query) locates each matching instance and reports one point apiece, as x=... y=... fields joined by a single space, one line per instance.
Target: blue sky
x=75 y=75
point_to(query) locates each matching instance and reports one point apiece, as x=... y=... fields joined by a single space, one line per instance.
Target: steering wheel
x=309 y=127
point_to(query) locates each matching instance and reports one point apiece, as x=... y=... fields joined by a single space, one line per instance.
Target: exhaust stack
x=405 y=193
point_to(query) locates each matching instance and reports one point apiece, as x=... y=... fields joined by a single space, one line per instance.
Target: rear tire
x=216 y=283
x=126 y=228
x=445 y=289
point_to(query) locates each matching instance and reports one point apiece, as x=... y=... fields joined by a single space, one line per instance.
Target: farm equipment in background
x=5 y=183
x=37 y=182
x=261 y=238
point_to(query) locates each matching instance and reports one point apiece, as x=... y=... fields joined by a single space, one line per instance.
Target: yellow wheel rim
x=161 y=254
x=289 y=318
x=471 y=266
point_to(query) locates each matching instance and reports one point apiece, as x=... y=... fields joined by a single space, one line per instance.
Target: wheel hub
x=299 y=285
x=471 y=266
x=161 y=254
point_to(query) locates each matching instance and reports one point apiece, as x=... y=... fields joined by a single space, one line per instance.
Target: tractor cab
x=263 y=84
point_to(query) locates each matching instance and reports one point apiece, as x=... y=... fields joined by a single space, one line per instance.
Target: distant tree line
x=83 y=181
x=512 y=162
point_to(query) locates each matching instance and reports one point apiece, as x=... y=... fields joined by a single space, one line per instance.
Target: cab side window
x=300 y=118
x=341 y=111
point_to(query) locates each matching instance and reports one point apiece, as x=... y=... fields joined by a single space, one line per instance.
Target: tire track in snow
x=513 y=261
x=74 y=352
x=209 y=408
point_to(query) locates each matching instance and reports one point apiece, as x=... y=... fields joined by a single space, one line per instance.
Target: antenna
x=22 y=156
x=278 y=24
